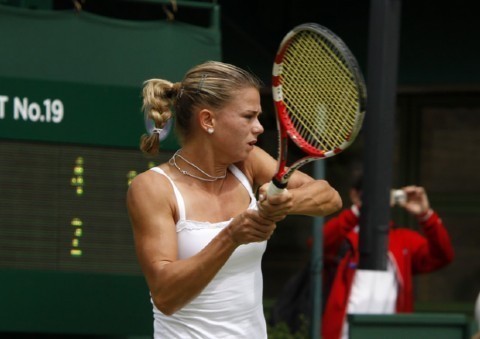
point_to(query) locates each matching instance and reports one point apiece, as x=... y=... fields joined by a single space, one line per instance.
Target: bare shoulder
x=149 y=192
x=152 y=209
x=259 y=166
x=148 y=183
x=260 y=153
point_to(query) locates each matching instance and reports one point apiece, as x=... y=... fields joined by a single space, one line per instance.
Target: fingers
x=417 y=200
x=415 y=193
x=259 y=225
x=250 y=226
x=263 y=233
x=275 y=207
x=270 y=213
x=414 y=189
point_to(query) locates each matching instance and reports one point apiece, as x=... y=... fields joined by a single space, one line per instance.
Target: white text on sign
x=24 y=109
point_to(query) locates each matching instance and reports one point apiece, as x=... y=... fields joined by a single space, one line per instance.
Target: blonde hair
x=211 y=84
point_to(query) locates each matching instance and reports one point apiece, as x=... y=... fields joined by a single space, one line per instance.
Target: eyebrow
x=253 y=111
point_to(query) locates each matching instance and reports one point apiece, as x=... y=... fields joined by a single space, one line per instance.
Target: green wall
x=70 y=77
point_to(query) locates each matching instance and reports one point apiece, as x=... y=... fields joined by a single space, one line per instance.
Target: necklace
x=209 y=178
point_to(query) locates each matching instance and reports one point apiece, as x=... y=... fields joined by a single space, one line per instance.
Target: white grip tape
x=274 y=190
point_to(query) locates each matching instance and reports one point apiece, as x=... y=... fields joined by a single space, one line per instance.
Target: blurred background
x=70 y=78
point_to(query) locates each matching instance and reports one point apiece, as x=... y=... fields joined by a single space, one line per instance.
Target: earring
x=210 y=130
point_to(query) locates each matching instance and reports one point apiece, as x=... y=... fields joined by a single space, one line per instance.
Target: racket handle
x=275 y=187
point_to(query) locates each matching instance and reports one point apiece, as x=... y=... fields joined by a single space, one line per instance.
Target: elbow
x=446 y=254
x=338 y=203
x=164 y=305
x=334 y=203
x=327 y=200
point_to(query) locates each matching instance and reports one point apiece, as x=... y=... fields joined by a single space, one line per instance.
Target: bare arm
x=173 y=282
x=307 y=195
x=313 y=197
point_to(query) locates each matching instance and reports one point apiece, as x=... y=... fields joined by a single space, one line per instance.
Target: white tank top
x=231 y=305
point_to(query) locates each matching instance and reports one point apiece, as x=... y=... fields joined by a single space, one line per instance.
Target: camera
x=397 y=197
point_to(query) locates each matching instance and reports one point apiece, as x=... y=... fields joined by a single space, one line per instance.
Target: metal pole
x=379 y=132
x=317 y=263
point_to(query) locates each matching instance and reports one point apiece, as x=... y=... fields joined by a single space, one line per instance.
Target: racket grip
x=274 y=188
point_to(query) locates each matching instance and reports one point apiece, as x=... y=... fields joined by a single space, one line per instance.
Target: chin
x=242 y=156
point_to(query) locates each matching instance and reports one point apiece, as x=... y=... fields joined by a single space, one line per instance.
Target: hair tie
x=161 y=132
x=156 y=130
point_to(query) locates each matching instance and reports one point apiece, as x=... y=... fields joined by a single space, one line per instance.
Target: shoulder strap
x=178 y=195
x=243 y=179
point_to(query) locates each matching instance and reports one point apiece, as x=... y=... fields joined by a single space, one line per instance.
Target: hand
x=274 y=207
x=417 y=202
x=251 y=226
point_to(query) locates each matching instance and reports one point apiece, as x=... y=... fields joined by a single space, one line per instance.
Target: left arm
x=312 y=197
x=435 y=249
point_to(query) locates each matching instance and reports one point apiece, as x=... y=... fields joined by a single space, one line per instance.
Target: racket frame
x=284 y=125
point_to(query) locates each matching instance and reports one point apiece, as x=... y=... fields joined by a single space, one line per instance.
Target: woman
x=199 y=232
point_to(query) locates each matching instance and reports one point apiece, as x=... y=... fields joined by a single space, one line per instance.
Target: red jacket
x=412 y=253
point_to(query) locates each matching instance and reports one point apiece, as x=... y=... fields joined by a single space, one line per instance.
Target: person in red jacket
x=382 y=292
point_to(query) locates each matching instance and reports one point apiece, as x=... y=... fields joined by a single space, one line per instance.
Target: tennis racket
x=319 y=95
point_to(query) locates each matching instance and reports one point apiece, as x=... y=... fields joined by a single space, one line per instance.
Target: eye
x=252 y=115
x=249 y=116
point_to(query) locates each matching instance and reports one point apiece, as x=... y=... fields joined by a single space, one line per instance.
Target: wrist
x=424 y=216
x=231 y=236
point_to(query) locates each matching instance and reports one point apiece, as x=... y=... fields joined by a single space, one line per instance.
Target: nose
x=257 y=127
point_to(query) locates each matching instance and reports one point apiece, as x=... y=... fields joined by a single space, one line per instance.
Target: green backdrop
x=72 y=81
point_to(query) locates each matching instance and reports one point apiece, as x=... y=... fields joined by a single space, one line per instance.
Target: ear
x=206 y=119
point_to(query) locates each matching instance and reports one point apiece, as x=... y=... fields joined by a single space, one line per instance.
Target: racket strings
x=319 y=91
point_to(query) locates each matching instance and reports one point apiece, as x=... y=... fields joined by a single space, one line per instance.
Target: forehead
x=245 y=97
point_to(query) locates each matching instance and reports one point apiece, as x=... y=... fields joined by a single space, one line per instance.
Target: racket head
x=319 y=92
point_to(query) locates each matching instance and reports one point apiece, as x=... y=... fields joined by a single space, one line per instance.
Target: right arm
x=173 y=282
